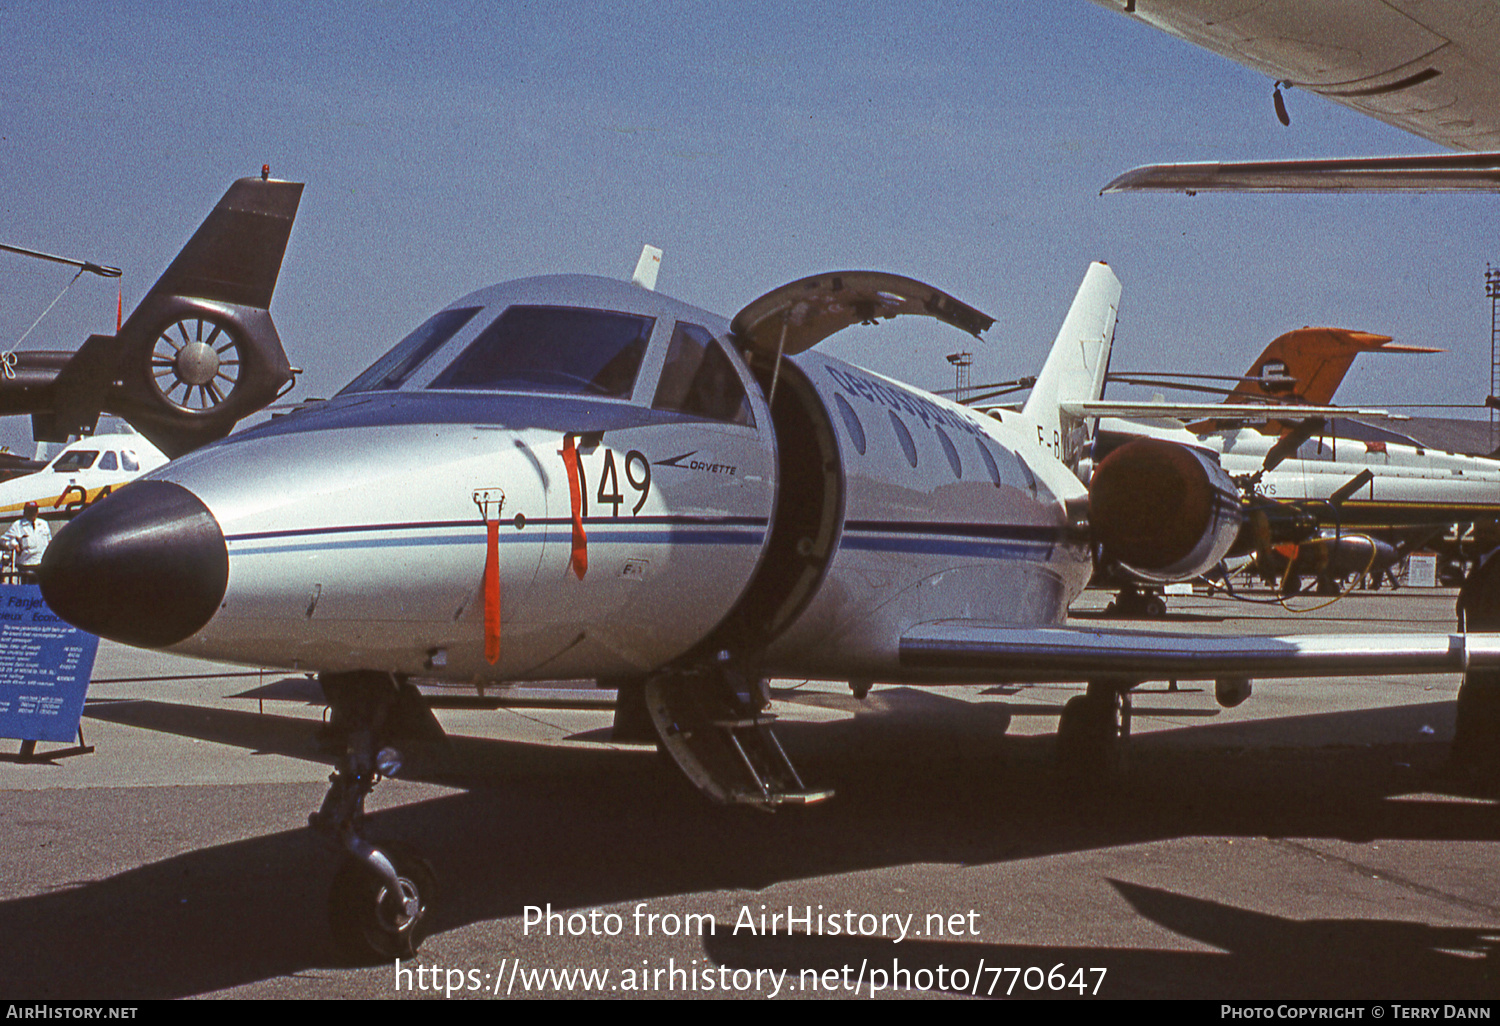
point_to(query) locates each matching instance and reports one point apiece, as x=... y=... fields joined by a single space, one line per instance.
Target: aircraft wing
x=1428 y=68
x=1442 y=172
x=999 y=653
x=1220 y=411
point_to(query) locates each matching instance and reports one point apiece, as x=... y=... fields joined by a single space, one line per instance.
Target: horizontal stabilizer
x=1219 y=411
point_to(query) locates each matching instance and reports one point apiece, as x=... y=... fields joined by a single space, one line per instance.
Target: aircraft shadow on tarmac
x=1259 y=955
x=921 y=779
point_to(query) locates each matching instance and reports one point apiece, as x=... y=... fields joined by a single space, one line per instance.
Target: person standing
x=28 y=539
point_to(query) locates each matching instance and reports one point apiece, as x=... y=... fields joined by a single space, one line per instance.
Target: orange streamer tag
x=580 y=558
x=492 y=591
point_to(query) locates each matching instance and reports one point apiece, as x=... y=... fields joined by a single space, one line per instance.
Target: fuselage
x=646 y=502
x=1409 y=485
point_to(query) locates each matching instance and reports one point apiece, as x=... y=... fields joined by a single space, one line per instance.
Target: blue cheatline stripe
x=986 y=541
x=476 y=525
x=990 y=541
x=656 y=530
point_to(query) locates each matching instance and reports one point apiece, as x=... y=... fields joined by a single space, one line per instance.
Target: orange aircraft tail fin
x=1308 y=365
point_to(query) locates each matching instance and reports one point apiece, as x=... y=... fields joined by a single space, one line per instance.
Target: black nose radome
x=148 y=566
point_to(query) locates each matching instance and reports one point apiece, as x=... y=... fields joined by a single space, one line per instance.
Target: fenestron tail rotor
x=195 y=364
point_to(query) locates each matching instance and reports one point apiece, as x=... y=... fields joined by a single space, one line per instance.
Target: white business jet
x=571 y=476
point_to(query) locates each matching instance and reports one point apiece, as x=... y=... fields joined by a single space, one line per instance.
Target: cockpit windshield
x=554 y=349
x=78 y=459
x=407 y=355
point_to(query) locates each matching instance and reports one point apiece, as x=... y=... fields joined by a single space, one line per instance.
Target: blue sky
x=449 y=146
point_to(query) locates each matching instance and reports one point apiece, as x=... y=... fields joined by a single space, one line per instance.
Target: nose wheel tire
x=370 y=920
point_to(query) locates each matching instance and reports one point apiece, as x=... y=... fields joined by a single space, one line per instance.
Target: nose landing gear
x=380 y=898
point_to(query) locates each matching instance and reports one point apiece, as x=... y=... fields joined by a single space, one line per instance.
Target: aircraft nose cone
x=147 y=567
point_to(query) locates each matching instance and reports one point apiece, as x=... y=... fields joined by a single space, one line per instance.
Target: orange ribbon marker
x=492 y=591
x=580 y=559
x=485 y=498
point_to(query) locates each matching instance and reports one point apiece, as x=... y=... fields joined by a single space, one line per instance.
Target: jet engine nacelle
x=1162 y=511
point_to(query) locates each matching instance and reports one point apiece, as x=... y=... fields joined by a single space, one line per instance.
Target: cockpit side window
x=554 y=349
x=698 y=378
x=129 y=460
x=407 y=355
x=109 y=462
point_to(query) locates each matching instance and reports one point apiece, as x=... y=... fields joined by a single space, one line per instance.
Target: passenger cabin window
x=851 y=422
x=128 y=460
x=699 y=379
x=411 y=352
x=109 y=461
x=989 y=462
x=554 y=349
x=78 y=459
x=950 y=452
x=908 y=446
x=1038 y=489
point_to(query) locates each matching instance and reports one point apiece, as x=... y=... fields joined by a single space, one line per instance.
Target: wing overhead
x=979 y=651
x=1425 y=67
x=1443 y=172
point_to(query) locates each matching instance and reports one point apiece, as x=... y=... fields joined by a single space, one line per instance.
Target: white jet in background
x=84 y=472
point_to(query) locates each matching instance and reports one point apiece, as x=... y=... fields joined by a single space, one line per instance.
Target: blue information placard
x=45 y=665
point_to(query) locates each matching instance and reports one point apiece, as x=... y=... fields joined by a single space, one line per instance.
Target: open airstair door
x=797 y=316
x=714 y=720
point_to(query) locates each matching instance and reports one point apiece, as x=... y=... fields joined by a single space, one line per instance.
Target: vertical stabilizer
x=1074 y=371
x=646 y=267
x=1308 y=365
